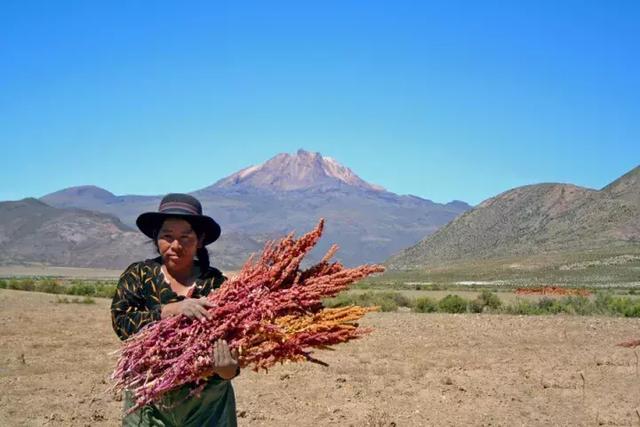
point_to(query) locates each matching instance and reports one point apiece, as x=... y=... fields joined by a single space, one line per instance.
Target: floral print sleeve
x=130 y=308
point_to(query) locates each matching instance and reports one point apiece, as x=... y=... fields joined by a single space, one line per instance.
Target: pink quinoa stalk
x=257 y=312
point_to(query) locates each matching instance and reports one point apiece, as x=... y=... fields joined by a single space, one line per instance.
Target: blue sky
x=445 y=100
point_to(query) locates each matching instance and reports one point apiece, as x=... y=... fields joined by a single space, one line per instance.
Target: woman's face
x=177 y=243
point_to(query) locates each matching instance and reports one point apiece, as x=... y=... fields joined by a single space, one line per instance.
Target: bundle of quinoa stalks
x=270 y=312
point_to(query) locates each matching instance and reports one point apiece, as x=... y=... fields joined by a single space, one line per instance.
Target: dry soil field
x=414 y=370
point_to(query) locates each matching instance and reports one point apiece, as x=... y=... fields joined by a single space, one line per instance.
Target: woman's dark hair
x=202 y=254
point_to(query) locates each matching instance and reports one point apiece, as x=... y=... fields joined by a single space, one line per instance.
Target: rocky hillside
x=535 y=219
x=286 y=172
x=32 y=232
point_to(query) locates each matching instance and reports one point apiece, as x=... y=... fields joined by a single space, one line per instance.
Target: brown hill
x=32 y=232
x=532 y=220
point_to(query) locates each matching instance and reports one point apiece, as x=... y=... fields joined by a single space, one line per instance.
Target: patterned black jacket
x=142 y=291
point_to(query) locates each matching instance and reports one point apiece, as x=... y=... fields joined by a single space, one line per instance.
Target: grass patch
x=99 y=289
x=425 y=305
x=387 y=301
x=604 y=303
x=65 y=300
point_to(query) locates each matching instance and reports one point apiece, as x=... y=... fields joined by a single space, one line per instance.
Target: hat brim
x=150 y=222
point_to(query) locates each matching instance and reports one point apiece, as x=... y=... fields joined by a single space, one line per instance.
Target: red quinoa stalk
x=270 y=312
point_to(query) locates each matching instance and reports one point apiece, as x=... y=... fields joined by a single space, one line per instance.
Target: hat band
x=178 y=206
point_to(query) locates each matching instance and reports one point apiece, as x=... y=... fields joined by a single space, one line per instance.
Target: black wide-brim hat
x=184 y=206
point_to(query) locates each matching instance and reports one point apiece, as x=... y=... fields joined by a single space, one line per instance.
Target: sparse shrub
x=341 y=300
x=49 y=286
x=547 y=305
x=65 y=300
x=105 y=290
x=425 y=305
x=620 y=306
x=476 y=306
x=452 y=304
x=387 y=305
x=577 y=305
x=625 y=306
x=602 y=302
x=521 y=307
x=401 y=300
x=489 y=299
x=486 y=299
x=387 y=301
x=22 y=284
x=3 y=284
x=81 y=288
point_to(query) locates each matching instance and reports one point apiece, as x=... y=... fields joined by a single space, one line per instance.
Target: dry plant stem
x=631 y=343
x=271 y=312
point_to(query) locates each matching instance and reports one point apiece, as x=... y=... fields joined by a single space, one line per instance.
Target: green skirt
x=215 y=406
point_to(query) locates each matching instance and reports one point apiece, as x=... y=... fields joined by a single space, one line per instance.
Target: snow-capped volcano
x=303 y=170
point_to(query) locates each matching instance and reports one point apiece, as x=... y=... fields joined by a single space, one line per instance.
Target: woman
x=175 y=284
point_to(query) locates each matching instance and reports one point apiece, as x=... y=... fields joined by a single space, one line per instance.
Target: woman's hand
x=225 y=362
x=193 y=308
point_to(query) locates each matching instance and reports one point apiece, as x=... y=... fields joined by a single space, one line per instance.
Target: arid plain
x=413 y=370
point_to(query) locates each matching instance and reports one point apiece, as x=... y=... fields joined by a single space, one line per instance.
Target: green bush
x=21 y=284
x=522 y=307
x=49 y=286
x=341 y=300
x=489 y=299
x=80 y=288
x=387 y=301
x=577 y=305
x=625 y=306
x=386 y=305
x=548 y=306
x=602 y=302
x=453 y=304
x=105 y=290
x=401 y=300
x=476 y=306
x=486 y=299
x=425 y=305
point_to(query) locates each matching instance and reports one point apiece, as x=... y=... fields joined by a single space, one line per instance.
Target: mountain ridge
x=285 y=172
x=292 y=192
x=534 y=219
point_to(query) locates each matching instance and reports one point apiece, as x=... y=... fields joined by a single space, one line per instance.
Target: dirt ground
x=414 y=370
